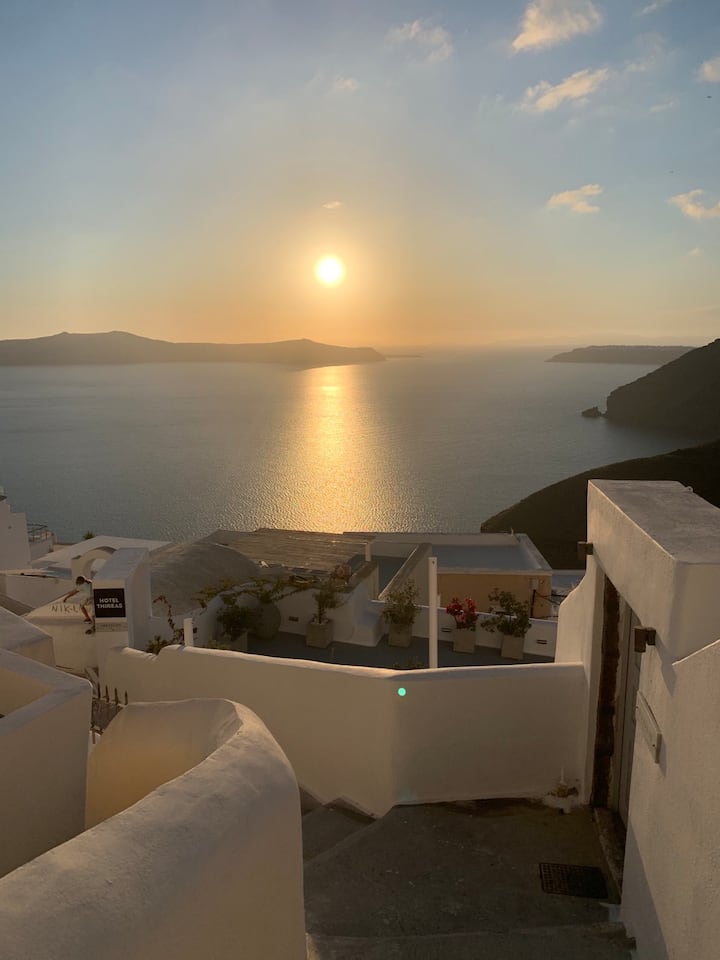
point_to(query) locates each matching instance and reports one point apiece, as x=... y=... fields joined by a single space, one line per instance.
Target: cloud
x=691 y=206
x=654 y=54
x=435 y=40
x=333 y=205
x=654 y=7
x=665 y=105
x=576 y=200
x=710 y=71
x=695 y=252
x=544 y=96
x=546 y=23
x=345 y=84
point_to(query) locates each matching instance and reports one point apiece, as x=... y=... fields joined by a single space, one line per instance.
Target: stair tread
x=325 y=827
x=591 y=942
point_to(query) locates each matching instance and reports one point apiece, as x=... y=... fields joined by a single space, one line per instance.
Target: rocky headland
x=555 y=518
x=683 y=395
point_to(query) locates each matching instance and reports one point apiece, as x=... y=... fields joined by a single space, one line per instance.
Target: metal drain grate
x=573 y=881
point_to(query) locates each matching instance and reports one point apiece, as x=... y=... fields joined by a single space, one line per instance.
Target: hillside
x=64 y=349
x=681 y=395
x=555 y=517
x=620 y=354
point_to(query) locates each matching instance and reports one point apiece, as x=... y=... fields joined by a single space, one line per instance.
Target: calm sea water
x=436 y=443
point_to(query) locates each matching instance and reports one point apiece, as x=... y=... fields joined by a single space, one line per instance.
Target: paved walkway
x=459 y=881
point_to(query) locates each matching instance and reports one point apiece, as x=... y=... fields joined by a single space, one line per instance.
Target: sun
x=330 y=271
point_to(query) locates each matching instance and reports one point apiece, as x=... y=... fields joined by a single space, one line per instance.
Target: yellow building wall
x=533 y=589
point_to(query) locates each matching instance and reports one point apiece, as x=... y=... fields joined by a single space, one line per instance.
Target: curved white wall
x=150 y=745
x=457 y=733
x=43 y=758
x=208 y=865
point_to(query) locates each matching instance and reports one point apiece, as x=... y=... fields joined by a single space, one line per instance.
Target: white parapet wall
x=19 y=636
x=350 y=734
x=658 y=544
x=208 y=864
x=44 y=734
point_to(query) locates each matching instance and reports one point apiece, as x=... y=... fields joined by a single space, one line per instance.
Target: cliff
x=555 y=517
x=620 y=354
x=64 y=349
x=681 y=395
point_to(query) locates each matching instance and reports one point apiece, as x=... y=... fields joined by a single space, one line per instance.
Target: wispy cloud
x=692 y=207
x=436 y=42
x=544 y=96
x=333 y=205
x=345 y=84
x=695 y=252
x=577 y=200
x=653 y=51
x=664 y=106
x=546 y=23
x=710 y=71
x=654 y=7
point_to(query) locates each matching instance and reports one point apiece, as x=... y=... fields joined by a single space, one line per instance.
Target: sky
x=487 y=171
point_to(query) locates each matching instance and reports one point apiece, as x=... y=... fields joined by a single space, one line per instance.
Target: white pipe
x=433 y=603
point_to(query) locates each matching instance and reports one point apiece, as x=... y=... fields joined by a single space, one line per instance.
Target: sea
x=438 y=442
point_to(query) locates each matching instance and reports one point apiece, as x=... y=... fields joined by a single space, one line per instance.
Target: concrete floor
x=400 y=658
x=458 y=881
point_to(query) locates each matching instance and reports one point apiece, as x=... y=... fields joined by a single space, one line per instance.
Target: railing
x=104 y=707
x=38 y=532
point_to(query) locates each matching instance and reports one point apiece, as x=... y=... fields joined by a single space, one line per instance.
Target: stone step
x=440 y=870
x=325 y=827
x=590 y=942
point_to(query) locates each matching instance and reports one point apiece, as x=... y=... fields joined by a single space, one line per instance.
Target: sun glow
x=330 y=271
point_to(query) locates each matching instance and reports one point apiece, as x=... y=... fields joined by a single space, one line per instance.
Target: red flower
x=464 y=612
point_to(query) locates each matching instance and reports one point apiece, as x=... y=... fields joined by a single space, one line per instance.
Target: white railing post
x=432 y=614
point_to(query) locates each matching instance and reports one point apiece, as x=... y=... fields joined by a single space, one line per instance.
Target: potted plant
x=464 y=613
x=511 y=620
x=320 y=629
x=236 y=619
x=399 y=613
x=267 y=591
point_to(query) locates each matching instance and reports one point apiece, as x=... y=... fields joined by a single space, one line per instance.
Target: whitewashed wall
x=671 y=890
x=14 y=546
x=349 y=734
x=659 y=544
x=43 y=757
x=207 y=865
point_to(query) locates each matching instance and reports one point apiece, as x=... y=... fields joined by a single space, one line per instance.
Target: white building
x=627 y=715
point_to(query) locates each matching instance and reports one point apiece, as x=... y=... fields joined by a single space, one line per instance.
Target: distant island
x=555 y=518
x=117 y=347
x=621 y=354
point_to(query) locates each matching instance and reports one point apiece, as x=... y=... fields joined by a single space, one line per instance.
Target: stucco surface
x=43 y=758
x=672 y=866
x=456 y=733
x=208 y=865
x=660 y=546
x=150 y=745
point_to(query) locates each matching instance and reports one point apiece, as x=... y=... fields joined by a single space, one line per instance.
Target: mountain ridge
x=119 y=347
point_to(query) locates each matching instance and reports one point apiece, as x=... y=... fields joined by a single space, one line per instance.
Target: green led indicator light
x=401 y=691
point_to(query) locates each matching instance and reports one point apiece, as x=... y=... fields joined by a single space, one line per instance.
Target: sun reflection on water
x=334 y=446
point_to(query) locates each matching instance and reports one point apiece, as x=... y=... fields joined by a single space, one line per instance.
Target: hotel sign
x=109 y=602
